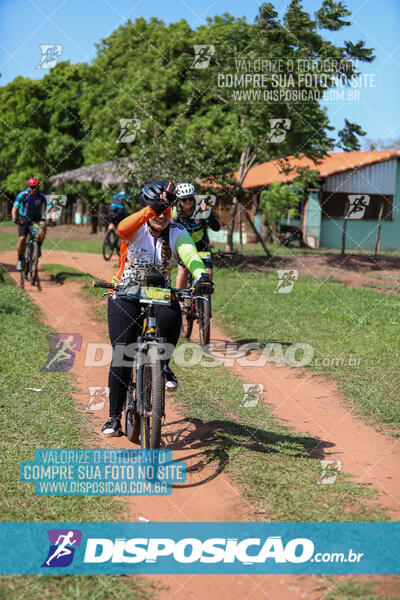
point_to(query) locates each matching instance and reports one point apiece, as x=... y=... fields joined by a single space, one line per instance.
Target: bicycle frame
x=148 y=366
x=27 y=262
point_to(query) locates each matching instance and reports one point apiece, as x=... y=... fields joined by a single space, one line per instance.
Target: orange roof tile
x=334 y=162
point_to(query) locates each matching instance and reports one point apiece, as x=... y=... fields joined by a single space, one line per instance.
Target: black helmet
x=152 y=191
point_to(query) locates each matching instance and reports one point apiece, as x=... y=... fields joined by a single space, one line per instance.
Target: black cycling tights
x=124 y=326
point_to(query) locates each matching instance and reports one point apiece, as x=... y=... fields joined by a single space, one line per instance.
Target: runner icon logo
x=129 y=129
x=98 y=396
x=62 y=547
x=55 y=204
x=50 y=55
x=279 y=129
x=62 y=351
x=251 y=394
x=330 y=470
x=203 y=54
x=286 y=279
x=357 y=205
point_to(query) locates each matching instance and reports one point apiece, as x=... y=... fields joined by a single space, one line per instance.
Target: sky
x=78 y=25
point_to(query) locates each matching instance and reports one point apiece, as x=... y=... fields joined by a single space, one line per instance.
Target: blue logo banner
x=200 y=548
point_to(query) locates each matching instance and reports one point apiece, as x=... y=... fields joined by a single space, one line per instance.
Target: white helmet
x=184 y=190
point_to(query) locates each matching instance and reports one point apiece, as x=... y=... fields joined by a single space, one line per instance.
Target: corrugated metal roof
x=334 y=162
x=378 y=178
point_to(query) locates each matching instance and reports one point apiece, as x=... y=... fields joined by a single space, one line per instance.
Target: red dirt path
x=305 y=403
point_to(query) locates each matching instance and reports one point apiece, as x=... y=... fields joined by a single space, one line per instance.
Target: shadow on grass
x=213 y=440
x=63 y=276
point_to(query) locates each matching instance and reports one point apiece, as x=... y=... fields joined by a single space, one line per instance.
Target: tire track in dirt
x=305 y=403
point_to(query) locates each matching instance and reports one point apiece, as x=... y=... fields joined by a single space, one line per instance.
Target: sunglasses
x=185 y=200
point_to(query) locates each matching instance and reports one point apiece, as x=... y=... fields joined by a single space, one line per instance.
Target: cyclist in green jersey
x=185 y=214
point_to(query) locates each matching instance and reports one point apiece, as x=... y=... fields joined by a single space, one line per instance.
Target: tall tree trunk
x=94 y=217
x=240 y=227
x=345 y=219
x=344 y=236
x=378 y=231
x=231 y=225
x=246 y=214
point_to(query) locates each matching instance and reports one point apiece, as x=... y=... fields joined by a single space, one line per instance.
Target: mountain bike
x=30 y=259
x=198 y=308
x=110 y=243
x=145 y=402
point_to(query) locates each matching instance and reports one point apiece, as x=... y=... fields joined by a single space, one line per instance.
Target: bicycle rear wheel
x=150 y=386
x=108 y=245
x=204 y=312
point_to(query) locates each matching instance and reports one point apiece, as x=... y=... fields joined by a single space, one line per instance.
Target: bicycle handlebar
x=104 y=284
x=111 y=286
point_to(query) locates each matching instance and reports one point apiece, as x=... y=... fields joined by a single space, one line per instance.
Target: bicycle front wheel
x=150 y=386
x=35 y=264
x=204 y=312
x=108 y=245
x=187 y=322
x=31 y=257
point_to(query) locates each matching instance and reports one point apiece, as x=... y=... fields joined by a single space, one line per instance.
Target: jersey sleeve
x=189 y=255
x=18 y=199
x=128 y=228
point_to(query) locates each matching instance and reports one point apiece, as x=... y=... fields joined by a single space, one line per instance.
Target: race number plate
x=37 y=230
x=205 y=254
x=155 y=295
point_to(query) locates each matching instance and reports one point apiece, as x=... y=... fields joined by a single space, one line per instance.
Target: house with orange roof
x=364 y=187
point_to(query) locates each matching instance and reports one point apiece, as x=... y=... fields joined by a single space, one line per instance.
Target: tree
x=188 y=122
x=306 y=126
x=390 y=144
x=276 y=202
x=348 y=136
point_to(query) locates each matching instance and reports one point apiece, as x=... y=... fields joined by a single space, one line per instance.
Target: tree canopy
x=184 y=118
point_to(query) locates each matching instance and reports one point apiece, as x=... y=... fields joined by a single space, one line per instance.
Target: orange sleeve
x=129 y=226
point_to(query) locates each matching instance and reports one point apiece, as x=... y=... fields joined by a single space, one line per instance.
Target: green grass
x=338 y=321
x=60 y=273
x=92 y=246
x=8 y=241
x=355 y=590
x=45 y=419
x=276 y=469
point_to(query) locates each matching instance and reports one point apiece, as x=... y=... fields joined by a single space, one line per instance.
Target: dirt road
x=304 y=403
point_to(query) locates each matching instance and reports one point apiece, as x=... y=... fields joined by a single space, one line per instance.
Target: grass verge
x=8 y=241
x=274 y=467
x=47 y=419
x=358 y=590
x=352 y=331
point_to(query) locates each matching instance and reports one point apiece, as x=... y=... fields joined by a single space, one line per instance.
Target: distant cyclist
x=29 y=207
x=117 y=211
x=185 y=214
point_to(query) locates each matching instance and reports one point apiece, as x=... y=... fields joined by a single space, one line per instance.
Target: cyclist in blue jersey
x=117 y=211
x=29 y=207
